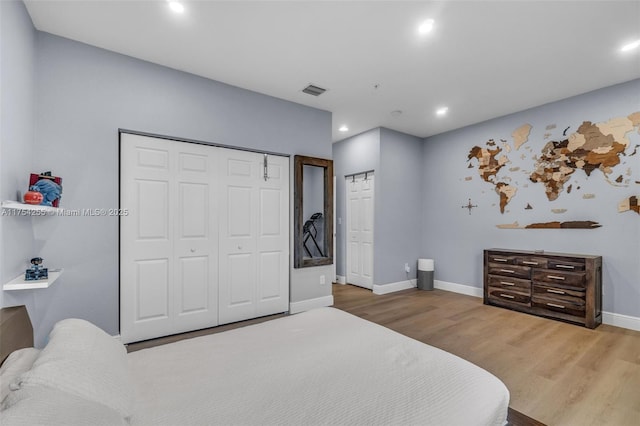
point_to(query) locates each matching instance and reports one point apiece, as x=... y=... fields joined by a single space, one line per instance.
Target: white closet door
x=195 y=238
x=254 y=235
x=168 y=240
x=360 y=208
x=273 y=238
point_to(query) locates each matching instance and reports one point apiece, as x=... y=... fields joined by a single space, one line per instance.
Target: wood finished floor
x=132 y=347
x=557 y=373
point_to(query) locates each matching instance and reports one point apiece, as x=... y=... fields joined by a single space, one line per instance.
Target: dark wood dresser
x=561 y=286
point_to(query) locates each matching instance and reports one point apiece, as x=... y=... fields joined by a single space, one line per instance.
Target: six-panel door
x=360 y=208
x=206 y=238
x=254 y=235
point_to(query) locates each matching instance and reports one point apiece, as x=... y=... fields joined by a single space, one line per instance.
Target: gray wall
x=83 y=95
x=356 y=154
x=456 y=239
x=396 y=159
x=17 y=76
x=398 y=220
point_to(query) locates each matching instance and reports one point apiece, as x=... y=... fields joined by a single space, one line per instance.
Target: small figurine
x=50 y=190
x=36 y=272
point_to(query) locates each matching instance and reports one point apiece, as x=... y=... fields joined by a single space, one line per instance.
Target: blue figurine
x=49 y=189
x=36 y=271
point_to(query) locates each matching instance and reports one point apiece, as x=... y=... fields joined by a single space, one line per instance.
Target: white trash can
x=425 y=274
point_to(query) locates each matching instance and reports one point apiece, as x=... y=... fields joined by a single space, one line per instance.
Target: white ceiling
x=483 y=59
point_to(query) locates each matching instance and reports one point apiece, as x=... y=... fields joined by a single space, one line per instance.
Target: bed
x=323 y=366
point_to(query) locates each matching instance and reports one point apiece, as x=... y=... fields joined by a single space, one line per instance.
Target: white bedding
x=320 y=367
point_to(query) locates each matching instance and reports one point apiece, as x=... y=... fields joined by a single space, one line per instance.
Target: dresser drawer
x=565 y=265
x=559 y=294
x=510 y=283
x=533 y=262
x=499 y=258
x=510 y=296
x=509 y=270
x=572 y=279
x=575 y=309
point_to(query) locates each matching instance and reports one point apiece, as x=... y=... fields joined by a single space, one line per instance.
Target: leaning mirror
x=313 y=211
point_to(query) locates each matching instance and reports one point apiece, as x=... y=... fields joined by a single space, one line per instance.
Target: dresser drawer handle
x=497 y=259
x=566 y=266
x=508 y=296
x=549 y=290
x=555 y=277
x=526 y=262
x=555 y=306
x=506 y=283
x=508 y=271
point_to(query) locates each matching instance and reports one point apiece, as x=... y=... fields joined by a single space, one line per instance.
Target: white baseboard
x=619 y=320
x=341 y=280
x=392 y=287
x=305 y=305
x=609 y=318
x=458 y=288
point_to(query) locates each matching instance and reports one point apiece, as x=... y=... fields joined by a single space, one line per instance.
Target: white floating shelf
x=14 y=205
x=19 y=283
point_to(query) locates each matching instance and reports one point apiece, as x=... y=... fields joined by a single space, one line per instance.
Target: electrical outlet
x=407 y=268
x=322 y=280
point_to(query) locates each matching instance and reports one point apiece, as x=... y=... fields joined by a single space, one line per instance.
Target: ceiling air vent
x=314 y=90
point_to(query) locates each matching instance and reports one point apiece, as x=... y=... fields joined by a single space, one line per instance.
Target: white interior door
x=360 y=208
x=273 y=238
x=168 y=239
x=254 y=235
x=195 y=238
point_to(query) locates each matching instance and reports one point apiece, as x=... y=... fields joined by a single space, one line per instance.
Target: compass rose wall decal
x=469 y=206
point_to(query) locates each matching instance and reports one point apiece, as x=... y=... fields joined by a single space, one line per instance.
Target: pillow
x=84 y=361
x=16 y=363
x=31 y=405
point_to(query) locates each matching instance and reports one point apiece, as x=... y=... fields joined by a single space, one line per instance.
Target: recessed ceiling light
x=426 y=26
x=630 y=46
x=343 y=128
x=442 y=111
x=176 y=6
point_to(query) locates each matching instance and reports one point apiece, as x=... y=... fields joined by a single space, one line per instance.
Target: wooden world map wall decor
x=630 y=204
x=602 y=146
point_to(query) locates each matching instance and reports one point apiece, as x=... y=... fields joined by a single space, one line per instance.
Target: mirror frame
x=299 y=260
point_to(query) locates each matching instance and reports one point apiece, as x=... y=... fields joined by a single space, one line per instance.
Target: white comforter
x=324 y=366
